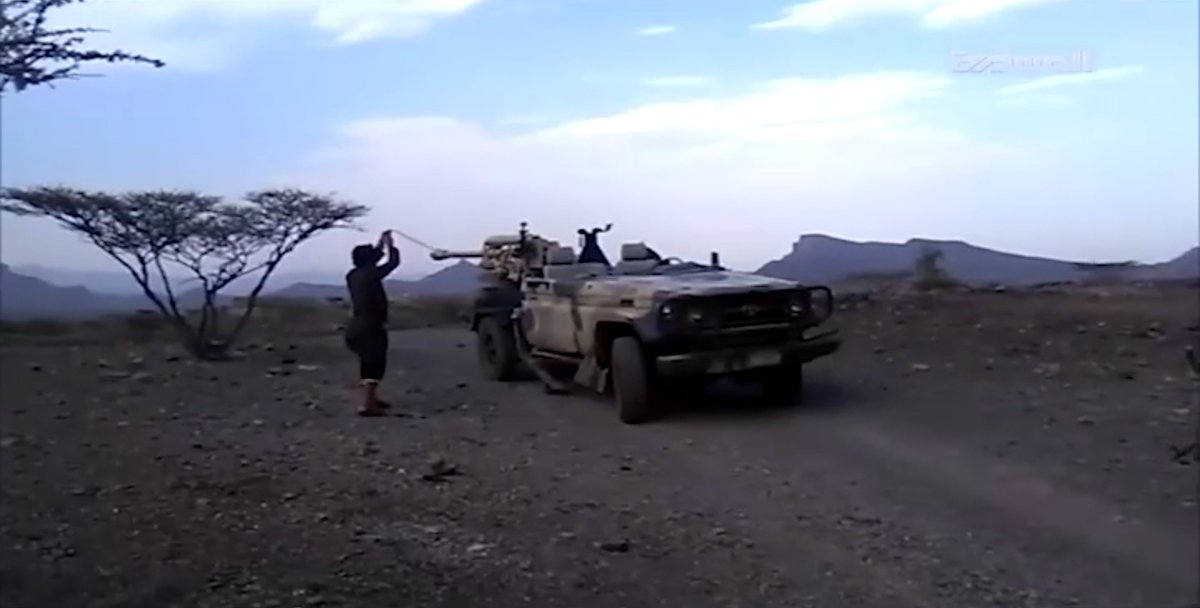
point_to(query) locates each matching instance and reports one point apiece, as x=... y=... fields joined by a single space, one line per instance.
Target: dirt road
x=1002 y=451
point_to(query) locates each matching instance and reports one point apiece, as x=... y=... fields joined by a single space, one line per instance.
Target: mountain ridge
x=458 y=278
x=813 y=258
x=821 y=258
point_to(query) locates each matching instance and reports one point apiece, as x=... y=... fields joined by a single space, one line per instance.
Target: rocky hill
x=1186 y=266
x=817 y=258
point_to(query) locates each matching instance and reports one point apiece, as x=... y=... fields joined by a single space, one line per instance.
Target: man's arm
x=393 y=255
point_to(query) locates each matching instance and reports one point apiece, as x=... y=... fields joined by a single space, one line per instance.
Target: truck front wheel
x=632 y=381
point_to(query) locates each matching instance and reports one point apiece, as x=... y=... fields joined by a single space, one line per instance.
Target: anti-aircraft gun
x=509 y=258
x=641 y=324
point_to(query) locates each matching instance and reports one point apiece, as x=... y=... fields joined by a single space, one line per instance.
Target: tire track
x=904 y=517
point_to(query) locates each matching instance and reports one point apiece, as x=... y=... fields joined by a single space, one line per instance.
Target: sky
x=1064 y=128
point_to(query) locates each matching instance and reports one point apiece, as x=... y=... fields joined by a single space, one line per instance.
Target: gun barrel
x=445 y=254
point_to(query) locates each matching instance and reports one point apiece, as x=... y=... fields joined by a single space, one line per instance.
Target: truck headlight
x=821 y=299
x=796 y=305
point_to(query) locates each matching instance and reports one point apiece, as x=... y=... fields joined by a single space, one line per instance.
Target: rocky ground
x=973 y=450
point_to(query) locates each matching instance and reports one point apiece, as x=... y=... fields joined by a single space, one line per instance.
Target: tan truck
x=638 y=326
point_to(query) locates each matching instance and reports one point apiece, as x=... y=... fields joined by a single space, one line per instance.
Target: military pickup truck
x=643 y=325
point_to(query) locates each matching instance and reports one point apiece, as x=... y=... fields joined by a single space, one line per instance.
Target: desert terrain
x=963 y=450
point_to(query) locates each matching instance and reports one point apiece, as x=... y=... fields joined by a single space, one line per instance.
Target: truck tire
x=497 y=350
x=632 y=381
x=783 y=386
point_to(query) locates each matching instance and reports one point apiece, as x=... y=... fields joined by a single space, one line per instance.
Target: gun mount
x=508 y=257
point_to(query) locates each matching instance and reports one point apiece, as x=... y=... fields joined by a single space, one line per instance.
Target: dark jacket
x=368 y=299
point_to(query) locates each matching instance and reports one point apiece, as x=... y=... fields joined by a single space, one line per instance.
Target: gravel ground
x=977 y=450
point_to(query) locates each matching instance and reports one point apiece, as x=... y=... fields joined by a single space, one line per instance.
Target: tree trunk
x=206 y=349
x=203 y=345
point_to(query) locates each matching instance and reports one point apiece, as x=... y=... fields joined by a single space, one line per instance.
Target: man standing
x=366 y=334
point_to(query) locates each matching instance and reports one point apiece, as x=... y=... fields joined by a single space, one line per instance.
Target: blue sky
x=692 y=125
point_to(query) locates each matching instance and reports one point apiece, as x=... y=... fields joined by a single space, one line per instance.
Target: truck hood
x=689 y=283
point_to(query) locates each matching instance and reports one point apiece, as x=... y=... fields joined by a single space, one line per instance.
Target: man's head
x=365 y=255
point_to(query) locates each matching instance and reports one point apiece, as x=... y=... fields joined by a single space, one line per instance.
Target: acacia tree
x=32 y=54
x=215 y=242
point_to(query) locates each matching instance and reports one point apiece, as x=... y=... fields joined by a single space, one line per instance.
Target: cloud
x=205 y=34
x=677 y=81
x=818 y=15
x=354 y=22
x=656 y=30
x=1069 y=80
x=522 y=120
x=1034 y=101
x=689 y=176
x=793 y=105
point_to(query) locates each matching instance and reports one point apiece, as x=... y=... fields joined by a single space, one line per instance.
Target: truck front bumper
x=731 y=360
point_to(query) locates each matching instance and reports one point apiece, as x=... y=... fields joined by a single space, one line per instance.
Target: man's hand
x=385 y=240
x=393 y=254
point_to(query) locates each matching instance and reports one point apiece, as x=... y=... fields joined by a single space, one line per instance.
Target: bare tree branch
x=31 y=54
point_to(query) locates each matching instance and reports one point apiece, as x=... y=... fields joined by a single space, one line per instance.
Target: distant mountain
x=319 y=291
x=458 y=279
x=814 y=258
x=118 y=282
x=1186 y=266
x=25 y=297
x=817 y=258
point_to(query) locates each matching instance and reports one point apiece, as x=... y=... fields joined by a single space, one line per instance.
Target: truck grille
x=741 y=320
x=742 y=310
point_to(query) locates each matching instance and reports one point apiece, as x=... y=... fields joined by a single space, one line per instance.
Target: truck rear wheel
x=497 y=349
x=632 y=381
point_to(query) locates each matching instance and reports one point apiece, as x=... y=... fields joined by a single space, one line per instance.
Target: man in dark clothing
x=366 y=333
